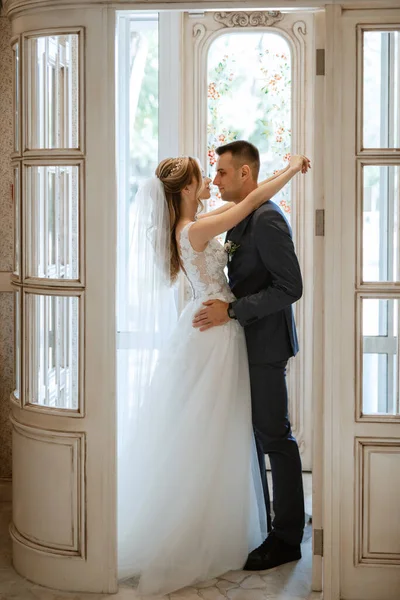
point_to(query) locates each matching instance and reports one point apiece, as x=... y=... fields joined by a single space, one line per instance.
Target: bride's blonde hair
x=175 y=174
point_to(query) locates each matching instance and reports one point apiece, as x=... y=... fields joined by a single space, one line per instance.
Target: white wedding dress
x=199 y=507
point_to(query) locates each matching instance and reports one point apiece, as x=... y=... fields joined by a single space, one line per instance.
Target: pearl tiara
x=177 y=166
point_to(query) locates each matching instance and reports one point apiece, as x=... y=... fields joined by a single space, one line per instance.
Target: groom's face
x=228 y=177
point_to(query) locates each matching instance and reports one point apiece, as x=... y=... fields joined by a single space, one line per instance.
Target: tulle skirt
x=190 y=503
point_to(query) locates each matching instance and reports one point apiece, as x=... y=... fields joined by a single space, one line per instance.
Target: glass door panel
x=380 y=223
x=52 y=204
x=54 y=339
x=17 y=218
x=53 y=91
x=16 y=86
x=381 y=85
x=380 y=373
x=18 y=336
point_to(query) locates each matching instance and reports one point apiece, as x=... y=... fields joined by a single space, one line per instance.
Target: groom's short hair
x=244 y=153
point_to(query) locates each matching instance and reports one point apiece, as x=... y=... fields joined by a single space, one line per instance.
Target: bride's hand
x=300 y=163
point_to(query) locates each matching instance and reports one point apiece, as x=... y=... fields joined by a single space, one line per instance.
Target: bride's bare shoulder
x=180 y=227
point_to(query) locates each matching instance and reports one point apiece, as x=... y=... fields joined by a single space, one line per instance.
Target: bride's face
x=205 y=192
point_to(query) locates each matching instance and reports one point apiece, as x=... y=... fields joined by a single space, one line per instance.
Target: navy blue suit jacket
x=264 y=275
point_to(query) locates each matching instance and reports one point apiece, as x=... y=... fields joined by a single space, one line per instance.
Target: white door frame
x=332 y=304
x=332 y=260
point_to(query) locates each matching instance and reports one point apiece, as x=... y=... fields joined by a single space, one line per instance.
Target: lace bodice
x=205 y=270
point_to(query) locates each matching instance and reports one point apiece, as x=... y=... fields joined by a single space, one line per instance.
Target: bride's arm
x=274 y=176
x=217 y=211
x=280 y=172
x=229 y=205
x=205 y=229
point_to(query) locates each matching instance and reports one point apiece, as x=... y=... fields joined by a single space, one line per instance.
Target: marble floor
x=288 y=582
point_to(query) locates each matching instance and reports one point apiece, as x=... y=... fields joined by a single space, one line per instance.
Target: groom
x=265 y=277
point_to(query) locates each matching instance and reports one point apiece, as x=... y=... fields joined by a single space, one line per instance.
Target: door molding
x=73 y=447
x=18 y=7
x=297 y=30
x=332 y=301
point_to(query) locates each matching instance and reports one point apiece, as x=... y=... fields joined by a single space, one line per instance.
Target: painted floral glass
x=249 y=97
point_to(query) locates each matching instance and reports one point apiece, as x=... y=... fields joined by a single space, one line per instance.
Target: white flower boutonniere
x=230 y=248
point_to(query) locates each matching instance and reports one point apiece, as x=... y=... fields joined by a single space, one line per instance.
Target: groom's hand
x=216 y=313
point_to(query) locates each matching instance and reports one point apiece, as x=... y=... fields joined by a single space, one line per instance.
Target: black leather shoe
x=272 y=553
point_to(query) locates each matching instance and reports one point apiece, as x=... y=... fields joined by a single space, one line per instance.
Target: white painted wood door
x=63 y=409
x=304 y=33
x=366 y=349
x=297 y=31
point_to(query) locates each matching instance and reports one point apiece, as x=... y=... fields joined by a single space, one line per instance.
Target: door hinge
x=320 y=61
x=318 y=544
x=320 y=222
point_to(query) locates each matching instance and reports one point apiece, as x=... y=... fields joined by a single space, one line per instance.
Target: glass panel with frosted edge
x=53 y=358
x=380 y=247
x=52 y=201
x=16 y=96
x=137 y=133
x=53 y=91
x=137 y=142
x=143 y=101
x=249 y=98
x=380 y=348
x=18 y=335
x=17 y=219
x=381 y=84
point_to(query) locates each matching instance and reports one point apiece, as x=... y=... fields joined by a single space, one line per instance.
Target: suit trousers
x=274 y=437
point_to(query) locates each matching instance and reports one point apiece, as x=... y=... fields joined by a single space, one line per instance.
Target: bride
x=190 y=499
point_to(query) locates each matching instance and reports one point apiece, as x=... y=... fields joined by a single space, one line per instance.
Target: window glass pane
x=380 y=356
x=381 y=127
x=17 y=220
x=52 y=221
x=53 y=91
x=137 y=139
x=16 y=96
x=374 y=383
x=380 y=246
x=137 y=123
x=18 y=334
x=375 y=315
x=249 y=97
x=143 y=115
x=53 y=357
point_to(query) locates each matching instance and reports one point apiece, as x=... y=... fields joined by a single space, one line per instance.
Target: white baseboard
x=5 y=489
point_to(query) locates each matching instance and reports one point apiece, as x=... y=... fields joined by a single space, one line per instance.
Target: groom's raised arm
x=277 y=252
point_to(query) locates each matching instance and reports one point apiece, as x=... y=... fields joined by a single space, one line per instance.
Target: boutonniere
x=230 y=248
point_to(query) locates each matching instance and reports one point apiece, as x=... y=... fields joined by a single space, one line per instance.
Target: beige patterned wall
x=6 y=379
x=6 y=245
